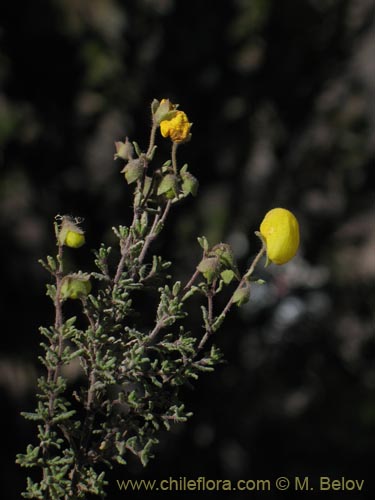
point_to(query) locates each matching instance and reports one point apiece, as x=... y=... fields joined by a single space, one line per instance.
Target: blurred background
x=282 y=99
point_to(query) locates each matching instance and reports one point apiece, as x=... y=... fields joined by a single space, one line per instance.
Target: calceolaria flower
x=74 y=239
x=280 y=231
x=177 y=128
x=70 y=234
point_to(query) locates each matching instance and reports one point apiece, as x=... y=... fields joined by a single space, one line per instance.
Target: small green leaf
x=176 y=288
x=218 y=322
x=63 y=416
x=137 y=148
x=145 y=454
x=202 y=240
x=52 y=263
x=31 y=416
x=120 y=460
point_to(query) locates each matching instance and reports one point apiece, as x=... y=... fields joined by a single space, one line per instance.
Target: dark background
x=281 y=94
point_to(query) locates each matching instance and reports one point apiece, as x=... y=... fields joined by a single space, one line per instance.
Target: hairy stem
x=174 y=156
x=137 y=211
x=152 y=234
x=209 y=330
x=244 y=279
x=152 y=138
x=53 y=373
x=192 y=279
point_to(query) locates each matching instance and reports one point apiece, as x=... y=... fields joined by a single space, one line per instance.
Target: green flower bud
x=242 y=295
x=189 y=184
x=168 y=186
x=226 y=258
x=209 y=267
x=124 y=150
x=133 y=171
x=225 y=254
x=75 y=287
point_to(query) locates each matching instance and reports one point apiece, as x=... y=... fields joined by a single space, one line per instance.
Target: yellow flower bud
x=177 y=128
x=74 y=239
x=280 y=231
x=70 y=234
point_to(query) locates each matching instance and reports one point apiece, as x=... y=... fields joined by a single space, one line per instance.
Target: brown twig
x=192 y=279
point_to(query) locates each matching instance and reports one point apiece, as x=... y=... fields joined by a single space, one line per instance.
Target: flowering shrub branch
x=131 y=369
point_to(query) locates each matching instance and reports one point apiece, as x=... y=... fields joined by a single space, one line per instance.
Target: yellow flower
x=74 y=239
x=280 y=231
x=177 y=128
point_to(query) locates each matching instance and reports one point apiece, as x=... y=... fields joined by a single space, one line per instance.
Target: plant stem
x=152 y=139
x=137 y=210
x=245 y=278
x=125 y=248
x=81 y=454
x=192 y=279
x=174 y=156
x=159 y=325
x=53 y=373
x=209 y=331
x=152 y=234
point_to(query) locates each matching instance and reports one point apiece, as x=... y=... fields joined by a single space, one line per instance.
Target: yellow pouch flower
x=280 y=231
x=74 y=239
x=70 y=234
x=177 y=128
